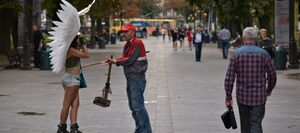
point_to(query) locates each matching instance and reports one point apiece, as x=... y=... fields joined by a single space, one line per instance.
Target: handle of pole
x=109 y=71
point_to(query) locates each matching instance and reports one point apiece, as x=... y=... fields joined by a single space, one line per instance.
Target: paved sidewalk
x=182 y=96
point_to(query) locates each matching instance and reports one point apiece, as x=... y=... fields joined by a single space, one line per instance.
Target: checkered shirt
x=255 y=75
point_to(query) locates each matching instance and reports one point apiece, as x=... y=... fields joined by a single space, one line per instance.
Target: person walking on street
x=174 y=33
x=189 y=36
x=135 y=65
x=169 y=34
x=266 y=43
x=198 y=38
x=164 y=33
x=255 y=77
x=236 y=43
x=145 y=32
x=224 y=37
x=181 y=36
x=38 y=44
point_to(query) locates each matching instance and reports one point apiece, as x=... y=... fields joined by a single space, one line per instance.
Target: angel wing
x=86 y=10
x=64 y=33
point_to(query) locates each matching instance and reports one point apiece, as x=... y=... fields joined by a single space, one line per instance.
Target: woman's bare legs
x=74 y=110
x=175 y=46
x=70 y=96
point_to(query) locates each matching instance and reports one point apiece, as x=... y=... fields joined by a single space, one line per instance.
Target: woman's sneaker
x=74 y=128
x=62 y=128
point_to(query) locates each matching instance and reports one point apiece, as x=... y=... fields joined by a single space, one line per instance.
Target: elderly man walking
x=255 y=76
x=198 y=38
x=224 y=37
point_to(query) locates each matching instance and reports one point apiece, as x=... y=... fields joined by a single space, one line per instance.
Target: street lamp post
x=293 y=61
x=121 y=18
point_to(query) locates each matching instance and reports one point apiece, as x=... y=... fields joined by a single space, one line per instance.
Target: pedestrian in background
x=157 y=31
x=181 y=36
x=189 y=36
x=264 y=40
x=38 y=44
x=266 y=43
x=174 y=33
x=71 y=82
x=255 y=77
x=145 y=32
x=164 y=33
x=169 y=33
x=135 y=65
x=236 y=43
x=224 y=37
x=198 y=38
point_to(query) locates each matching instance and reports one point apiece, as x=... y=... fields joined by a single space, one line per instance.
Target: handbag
x=82 y=80
x=228 y=119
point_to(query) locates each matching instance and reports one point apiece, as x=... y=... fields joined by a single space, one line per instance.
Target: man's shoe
x=74 y=128
x=62 y=128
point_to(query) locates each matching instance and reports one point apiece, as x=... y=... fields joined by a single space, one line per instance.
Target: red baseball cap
x=128 y=27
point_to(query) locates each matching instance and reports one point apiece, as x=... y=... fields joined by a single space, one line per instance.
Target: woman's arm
x=77 y=53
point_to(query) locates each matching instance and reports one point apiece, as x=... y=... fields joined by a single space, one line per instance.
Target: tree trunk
x=92 y=43
x=99 y=26
x=264 y=22
x=14 y=30
x=5 y=24
x=249 y=22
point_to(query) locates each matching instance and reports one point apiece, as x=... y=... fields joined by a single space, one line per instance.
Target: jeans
x=135 y=90
x=225 y=45
x=70 y=80
x=198 y=51
x=251 y=118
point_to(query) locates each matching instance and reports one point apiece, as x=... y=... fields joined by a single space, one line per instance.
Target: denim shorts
x=70 y=80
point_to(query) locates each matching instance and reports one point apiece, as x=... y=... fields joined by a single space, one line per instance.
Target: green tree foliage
x=237 y=14
x=148 y=8
x=11 y=4
x=9 y=11
x=53 y=5
x=100 y=9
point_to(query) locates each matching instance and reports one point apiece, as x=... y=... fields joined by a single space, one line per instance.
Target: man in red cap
x=135 y=66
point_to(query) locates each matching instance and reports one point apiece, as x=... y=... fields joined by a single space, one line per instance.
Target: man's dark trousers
x=225 y=46
x=198 y=51
x=135 y=91
x=251 y=118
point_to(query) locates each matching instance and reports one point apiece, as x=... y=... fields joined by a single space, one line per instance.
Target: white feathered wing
x=64 y=33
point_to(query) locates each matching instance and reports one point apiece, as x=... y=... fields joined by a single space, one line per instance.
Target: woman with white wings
x=71 y=83
x=66 y=54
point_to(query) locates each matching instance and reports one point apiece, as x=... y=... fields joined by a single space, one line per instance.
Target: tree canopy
x=238 y=14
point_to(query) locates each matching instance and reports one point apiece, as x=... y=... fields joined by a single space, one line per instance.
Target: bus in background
x=115 y=25
x=150 y=24
x=153 y=24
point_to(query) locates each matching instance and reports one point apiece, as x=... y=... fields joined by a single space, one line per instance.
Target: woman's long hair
x=74 y=43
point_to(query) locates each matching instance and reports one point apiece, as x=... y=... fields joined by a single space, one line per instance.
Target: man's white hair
x=250 y=32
